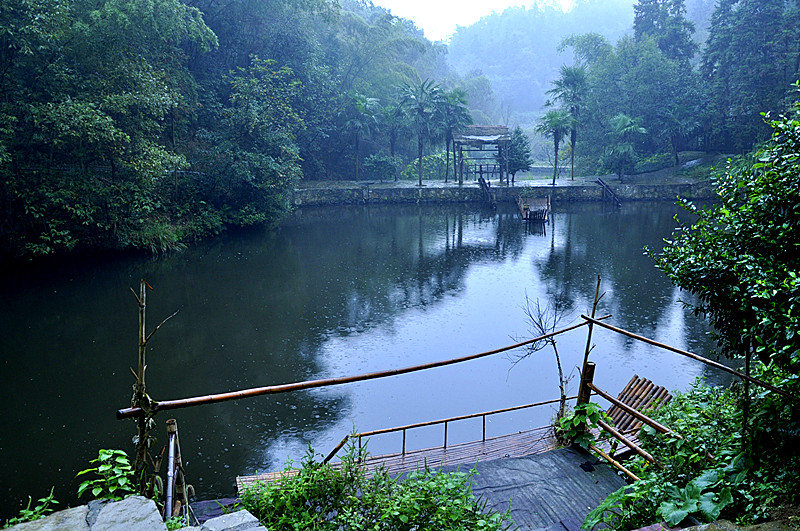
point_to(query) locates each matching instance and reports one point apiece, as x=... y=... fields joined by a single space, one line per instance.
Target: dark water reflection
x=334 y=292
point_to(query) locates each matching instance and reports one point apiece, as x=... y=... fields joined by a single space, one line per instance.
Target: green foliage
x=28 y=514
x=656 y=162
x=519 y=152
x=317 y=496
x=708 y=472
x=383 y=167
x=740 y=258
x=433 y=167
x=115 y=476
x=573 y=427
x=620 y=155
x=555 y=123
x=175 y=522
x=148 y=124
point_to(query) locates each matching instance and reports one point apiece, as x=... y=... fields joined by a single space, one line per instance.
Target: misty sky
x=439 y=18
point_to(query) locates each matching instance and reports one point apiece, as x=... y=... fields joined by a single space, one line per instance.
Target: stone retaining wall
x=470 y=193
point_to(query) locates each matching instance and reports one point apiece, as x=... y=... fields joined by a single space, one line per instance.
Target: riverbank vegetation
x=633 y=105
x=145 y=125
x=739 y=448
x=319 y=496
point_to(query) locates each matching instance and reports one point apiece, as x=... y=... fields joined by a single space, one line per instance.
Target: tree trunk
x=573 y=137
x=447 y=161
x=419 y=158
x=555 y=162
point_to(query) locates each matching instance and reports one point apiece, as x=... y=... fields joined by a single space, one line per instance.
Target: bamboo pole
x=627 y=442
x=644 y=418
x=597 y=298
x=310 y=384
x=693 y=356
x=611 y=460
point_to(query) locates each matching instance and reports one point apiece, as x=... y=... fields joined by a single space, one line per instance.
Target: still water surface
x=334 y=292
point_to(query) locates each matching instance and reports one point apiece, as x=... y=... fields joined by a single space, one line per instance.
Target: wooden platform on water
x=534 y=209
x=547 y=488
x=466 y=455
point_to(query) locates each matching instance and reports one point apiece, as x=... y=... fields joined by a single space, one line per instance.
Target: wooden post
x=587 y=377
x=584 y=392
x=597 y=298
x=460 y=164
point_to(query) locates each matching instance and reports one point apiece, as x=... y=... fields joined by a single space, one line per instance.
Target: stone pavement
x=131 y=514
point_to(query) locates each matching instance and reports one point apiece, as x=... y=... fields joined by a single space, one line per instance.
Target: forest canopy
x=145 y=124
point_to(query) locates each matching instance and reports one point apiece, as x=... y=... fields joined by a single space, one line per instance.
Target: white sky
x=439 y=18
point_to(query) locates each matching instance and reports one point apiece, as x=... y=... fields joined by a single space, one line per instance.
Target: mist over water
x=334 y=292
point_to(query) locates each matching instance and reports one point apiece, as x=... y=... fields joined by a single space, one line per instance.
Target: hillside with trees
x=635 y=104
x=144 y=125
x=147 y=124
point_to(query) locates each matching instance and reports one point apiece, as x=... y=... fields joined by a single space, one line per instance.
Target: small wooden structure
x=608 y=193
x=482 y=139
x=487 y=192
x=534 y=209
x=642 y=395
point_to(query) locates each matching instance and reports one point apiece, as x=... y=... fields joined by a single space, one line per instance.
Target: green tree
x=740 y=258
x=452 y=114
x=519 y=153
x=362 y=120
x=665 y=21
x=621 y=154
x=555 y=124
x=570 y=89
x=253 y=158
x=750 y=58
x=420 y=101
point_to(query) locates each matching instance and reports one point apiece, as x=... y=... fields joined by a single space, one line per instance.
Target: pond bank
x=584 y=189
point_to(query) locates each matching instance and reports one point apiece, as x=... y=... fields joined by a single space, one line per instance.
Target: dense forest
x=148 y=123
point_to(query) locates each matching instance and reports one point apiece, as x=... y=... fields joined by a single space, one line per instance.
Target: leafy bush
x=39 y=511
x=572 y=427
x=708 y=473
x=433 y=167
x=319 y=496
x=383 y=167
x=656 y=162
x=115 y=480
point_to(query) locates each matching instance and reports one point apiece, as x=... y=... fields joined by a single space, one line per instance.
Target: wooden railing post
x=584 y=392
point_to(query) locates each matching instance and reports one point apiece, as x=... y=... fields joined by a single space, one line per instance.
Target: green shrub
x=709 y=472
x=383 y=167
x=433 y=167
x=659 y=161
x=39 y=511
x=115 y=476
x=319 y=496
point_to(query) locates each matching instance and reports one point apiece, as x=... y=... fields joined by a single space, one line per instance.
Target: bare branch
x=159 y=325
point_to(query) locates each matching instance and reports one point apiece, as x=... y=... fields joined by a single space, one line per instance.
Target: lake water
x=334 y=292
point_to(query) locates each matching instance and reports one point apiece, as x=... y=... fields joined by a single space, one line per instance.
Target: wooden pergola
x=482 y=139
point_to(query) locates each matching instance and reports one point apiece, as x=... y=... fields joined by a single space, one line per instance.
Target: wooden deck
x=534 y=209
x=524 y=443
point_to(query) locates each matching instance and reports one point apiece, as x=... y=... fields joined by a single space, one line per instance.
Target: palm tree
x=420 y=102
x=363 y=120
x=452 y=114
x=554 y=123
x=570 y=89
x=622 y=152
